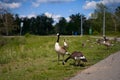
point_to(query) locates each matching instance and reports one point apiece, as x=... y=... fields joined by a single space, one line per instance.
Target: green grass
x=34 y=57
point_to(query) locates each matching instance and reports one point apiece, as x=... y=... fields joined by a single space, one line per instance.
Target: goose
x=83 y=44
x=77 y=56
x=105 y=39
x=106 y=42
x=65 y=44
x=60 y=50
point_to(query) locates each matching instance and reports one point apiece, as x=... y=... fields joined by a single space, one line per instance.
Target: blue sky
x=53 y=8
x=59 y=8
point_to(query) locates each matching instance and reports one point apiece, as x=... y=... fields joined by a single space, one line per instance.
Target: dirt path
x=107 y=69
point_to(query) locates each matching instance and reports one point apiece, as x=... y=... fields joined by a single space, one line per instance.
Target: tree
x=117 y=12
x=17 y=22
x=97 y=24
x=33 y=26
x=41 y=25
x=117 y=16
x=75 y=23
x=45 y=24
x=2 y=27
x=61 y=26
x=6 y=22
x=26 y=25
x=1 y=24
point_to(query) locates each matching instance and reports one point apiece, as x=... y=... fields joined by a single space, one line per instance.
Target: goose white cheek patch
x=65 y=44
x=67 y=53
x=83 y=57
x=77 y=58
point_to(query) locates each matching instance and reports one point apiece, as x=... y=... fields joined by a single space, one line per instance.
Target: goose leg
x=79 y=62
x=63 y=60
x=58 y=58
x=75 y=62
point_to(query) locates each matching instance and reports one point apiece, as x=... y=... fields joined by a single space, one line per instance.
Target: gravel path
x=107 y=69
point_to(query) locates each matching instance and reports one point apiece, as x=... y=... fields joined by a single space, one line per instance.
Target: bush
x=113 y=33
x=96 y=33
x=27 y=35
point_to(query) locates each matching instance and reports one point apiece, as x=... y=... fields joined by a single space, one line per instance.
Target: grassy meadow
x=34 y=58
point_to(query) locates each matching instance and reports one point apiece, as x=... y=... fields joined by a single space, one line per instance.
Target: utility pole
x=21 y=25
x=104 y=22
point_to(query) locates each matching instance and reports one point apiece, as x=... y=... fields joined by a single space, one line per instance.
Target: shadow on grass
x=81 y=65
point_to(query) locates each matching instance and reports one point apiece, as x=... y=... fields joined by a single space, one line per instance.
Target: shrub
x=95 y=33
x=27 y=35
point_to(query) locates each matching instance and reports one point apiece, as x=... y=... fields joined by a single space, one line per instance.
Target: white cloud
x=29 y=15
x=92 y=4
x=38 y=2
x=68 y=19
x=10 y=5
x=13 y=5
x=48 y=14
x=22 y=16
x=55 y=17
x=89 y=15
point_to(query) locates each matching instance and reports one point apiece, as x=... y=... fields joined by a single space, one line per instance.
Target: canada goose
x=106 y=42
x=60 y=50
x=83 y=44
x=65 y=44
x=77 y=56
x=105 y=39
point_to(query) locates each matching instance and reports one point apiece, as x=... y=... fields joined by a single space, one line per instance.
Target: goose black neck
x=58 y=38
x=67 y=59
x=105 y=38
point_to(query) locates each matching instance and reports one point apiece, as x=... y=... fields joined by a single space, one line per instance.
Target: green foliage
x=113 y=33
x=61 y=26
x=96 y=33
x=7 y=24
x=117 y=11
x=27 y=35
x=111 y=19
x=34 y=58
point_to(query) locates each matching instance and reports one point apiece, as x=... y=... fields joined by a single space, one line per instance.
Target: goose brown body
x=77 y=56
x=106 y=42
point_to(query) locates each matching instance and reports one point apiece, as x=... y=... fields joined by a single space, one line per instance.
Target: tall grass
x=34 y=58
x=9 y=51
